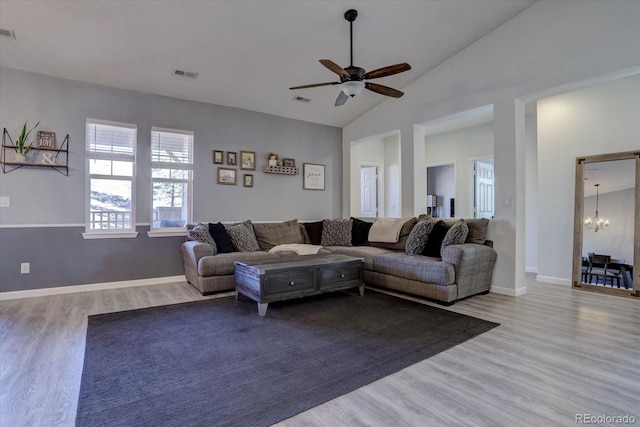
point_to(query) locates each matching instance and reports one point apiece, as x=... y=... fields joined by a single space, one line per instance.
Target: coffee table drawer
x=290 y=283
x=331 y=276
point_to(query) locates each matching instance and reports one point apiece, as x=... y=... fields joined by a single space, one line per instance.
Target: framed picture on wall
x=226 y=176
x=232 y=158
x=247 y=180
x=248 y=160
x=289 y=163
x=312 y=176
x=218 y=157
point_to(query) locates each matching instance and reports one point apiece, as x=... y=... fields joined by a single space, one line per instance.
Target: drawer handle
x=292 y=283
x=342 y=276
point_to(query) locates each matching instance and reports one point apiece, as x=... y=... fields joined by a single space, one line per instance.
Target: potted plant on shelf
x=21 y=147
x=273 y=159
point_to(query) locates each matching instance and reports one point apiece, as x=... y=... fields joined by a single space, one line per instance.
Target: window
x=111 y=162
x=171 y=178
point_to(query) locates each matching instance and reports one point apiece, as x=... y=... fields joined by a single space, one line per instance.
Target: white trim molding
x=508 y=291
x=91 y=287
x=553 y=280
x=116 y=235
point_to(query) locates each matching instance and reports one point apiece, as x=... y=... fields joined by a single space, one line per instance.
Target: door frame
x=453 y=163
x=379 y=184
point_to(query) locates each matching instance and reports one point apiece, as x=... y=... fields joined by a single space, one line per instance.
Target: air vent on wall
x=185 y=74
x=7 y=33
x=301 y=99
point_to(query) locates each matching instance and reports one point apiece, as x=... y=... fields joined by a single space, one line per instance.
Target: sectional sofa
x=431 y=258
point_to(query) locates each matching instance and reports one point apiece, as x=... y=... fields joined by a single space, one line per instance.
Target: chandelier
x=598 y=223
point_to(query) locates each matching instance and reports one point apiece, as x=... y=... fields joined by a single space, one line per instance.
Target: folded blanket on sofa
x=299 y=248
x=386 y=230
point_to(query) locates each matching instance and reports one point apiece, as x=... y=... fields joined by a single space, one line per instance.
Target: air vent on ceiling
x=185 y=74
x=301 y=99
x=7 y=33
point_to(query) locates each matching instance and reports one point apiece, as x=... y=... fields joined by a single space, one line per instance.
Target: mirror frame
x=578 y=224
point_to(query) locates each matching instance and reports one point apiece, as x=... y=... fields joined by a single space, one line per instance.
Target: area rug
x=217 y=363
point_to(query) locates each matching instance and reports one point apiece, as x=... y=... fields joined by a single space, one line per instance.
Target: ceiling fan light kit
x=352 y=78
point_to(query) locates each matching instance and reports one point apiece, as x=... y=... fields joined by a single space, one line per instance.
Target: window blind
x=171 y=148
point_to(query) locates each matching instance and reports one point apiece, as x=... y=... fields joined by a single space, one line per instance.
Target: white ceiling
x=247 y=53
x=616 y=175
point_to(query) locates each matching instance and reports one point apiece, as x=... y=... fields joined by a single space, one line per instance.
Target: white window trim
x=110 y=234
x=172 y=231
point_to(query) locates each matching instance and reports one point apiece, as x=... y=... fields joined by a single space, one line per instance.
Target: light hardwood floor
x=558 y=352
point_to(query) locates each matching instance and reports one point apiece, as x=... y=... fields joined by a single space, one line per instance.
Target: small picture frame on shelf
x=226 y=176
x=247 y=180
x=289 y=163
x=218 y=157
x=312 y=176
x=248 y=160
x=46 y=139
x=232 y=158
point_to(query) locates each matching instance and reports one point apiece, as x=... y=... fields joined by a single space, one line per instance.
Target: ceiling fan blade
x=387 y=71
x=383 y=90
x=342 y=98
x=314 y=85
x=334 y=67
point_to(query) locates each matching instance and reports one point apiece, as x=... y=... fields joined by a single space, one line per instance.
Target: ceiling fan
x=352 y=78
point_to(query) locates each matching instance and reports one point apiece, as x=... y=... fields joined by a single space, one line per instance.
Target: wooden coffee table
x=297 y=277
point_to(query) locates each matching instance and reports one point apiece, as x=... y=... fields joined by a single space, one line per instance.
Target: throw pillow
x=200 y=232
x=314 y=230
x=221 y=237
x=360 y=232
x=477 y=230
x=432 y=248
x=418 y=237
x=336 y=232
x=273 y=234
x=456 y=235
x=242 y=238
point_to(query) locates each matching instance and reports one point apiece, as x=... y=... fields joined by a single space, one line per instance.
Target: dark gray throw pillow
x=418 y=237
x=221 y=237
x=242 y=238
x=314 y=231
x=360 y=232
x=432 y=248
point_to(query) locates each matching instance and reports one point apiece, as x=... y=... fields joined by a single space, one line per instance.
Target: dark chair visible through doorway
x=598 y=267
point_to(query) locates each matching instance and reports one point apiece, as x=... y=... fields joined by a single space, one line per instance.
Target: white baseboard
x=553 y=280
x=91 y=287
x=531 y=269
x=508 y=291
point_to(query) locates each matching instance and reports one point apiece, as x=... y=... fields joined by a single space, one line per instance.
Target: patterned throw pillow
x=336 y=232
x=200 y=232
x=456 y=235
x=417 y=239
x=243 y=239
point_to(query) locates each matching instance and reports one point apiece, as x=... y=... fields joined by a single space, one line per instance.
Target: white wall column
x=419 y=172
x=508 y=231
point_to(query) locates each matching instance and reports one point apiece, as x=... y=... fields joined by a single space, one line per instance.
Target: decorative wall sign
x=226 y=176
x=247 y=180
x=218 y=157
x=232 y=158
x=248 y=160
x=312 y=176
x=46 y=139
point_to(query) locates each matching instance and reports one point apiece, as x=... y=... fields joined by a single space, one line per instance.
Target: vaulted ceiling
x=246 y=53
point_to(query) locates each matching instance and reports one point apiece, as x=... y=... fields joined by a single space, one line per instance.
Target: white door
x=369 y=192
x=483 y=171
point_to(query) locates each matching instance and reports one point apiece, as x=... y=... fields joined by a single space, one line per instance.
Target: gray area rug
x=217 y=363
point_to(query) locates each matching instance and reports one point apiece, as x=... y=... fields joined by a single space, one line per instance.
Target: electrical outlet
x=25 y=268
x=5 y=202
x=506 y=202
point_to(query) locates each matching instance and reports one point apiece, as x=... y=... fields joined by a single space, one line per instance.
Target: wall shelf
x=283 y=170
x=50 y=161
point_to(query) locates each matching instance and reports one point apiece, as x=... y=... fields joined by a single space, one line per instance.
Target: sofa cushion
x=368 y=253
x=336 y=232
x=456 y=234
x=222 y=264
x=243 y=239
x=314 y=230
x=200 y=232
x=417 y=239
x=419 y=268
x=477 y=230
x=402 y=240
x=434 y=242
x=273 y=234
x=221 y=237
x=360 y=232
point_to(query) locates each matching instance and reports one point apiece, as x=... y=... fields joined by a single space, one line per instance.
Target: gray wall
x=54 y=205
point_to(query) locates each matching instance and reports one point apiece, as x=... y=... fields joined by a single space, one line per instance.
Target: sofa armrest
x=192 y=251
x=473 y=264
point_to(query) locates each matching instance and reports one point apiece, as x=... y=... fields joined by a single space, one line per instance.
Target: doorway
x=441 y=185
x=483 y=206
x=369 y=177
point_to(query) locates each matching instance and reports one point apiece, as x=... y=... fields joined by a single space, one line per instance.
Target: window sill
x=167 y=233
x=110 y=235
